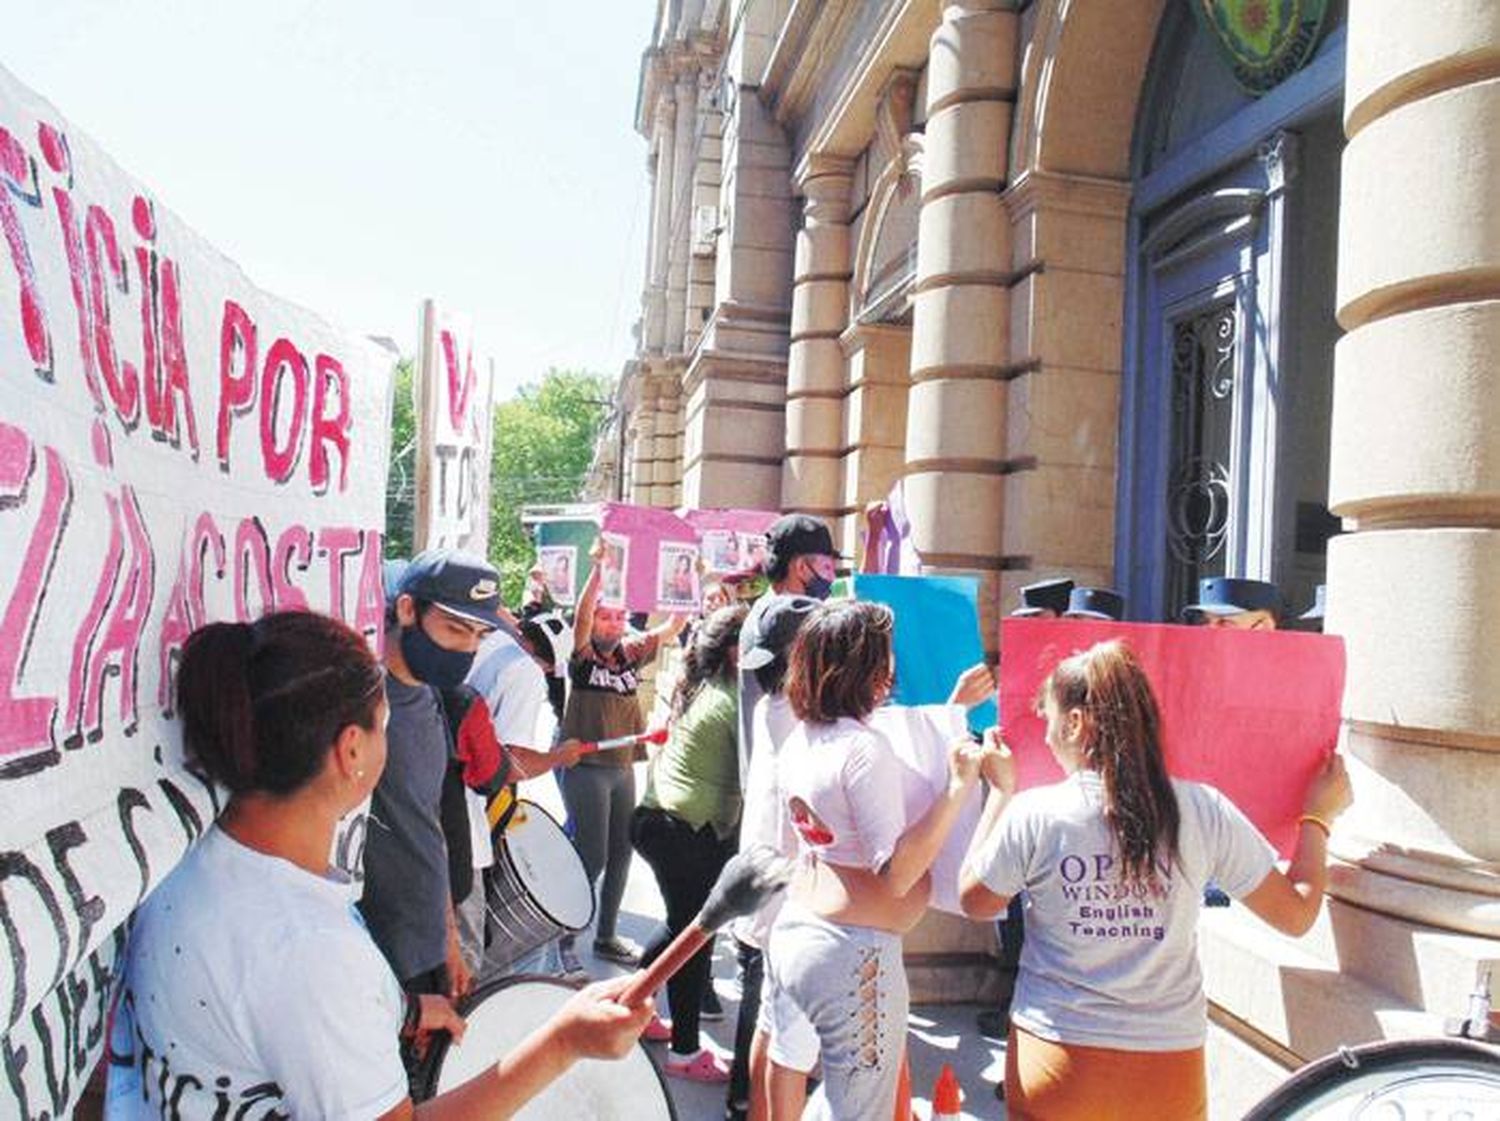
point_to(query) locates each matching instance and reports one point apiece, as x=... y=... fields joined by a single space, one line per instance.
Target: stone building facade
x=1103 y=311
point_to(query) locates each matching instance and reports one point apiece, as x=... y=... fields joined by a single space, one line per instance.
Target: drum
x=1427 y=1079
x=503 y=1013
x=537 y=888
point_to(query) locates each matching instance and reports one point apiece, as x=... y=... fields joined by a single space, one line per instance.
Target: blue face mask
x=432 y=664
x=818 y=586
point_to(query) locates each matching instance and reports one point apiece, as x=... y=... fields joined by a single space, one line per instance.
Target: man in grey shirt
x=440 y=606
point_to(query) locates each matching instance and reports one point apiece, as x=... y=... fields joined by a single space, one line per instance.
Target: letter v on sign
x=458 y=394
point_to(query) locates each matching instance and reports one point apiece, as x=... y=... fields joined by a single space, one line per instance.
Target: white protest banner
x=455 y=399
x=920 y=735
x=176 y=446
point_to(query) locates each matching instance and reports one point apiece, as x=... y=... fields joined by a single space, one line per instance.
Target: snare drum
x=537 y=889
x=503 y=1013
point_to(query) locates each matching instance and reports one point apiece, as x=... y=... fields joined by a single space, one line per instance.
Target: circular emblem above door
x=1264 y=41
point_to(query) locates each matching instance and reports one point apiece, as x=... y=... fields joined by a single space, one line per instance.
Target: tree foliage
x=401 y=480
x=543 y=443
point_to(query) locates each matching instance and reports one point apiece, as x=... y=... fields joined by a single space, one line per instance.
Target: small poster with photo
x=677 y=577
x=613 y=566
x=559 y=564
x=721 y=551
x=752 y=550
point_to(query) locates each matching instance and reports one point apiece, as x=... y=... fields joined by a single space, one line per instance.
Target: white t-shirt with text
x=1107 y=964
x=252 y=989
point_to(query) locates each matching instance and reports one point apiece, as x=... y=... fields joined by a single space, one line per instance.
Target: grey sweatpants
x=600 y=801
x=840 y=990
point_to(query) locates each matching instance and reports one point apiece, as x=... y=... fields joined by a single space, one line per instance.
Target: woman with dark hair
x=837 y=985
x=1111 y=863
x=249 y=981
x=686 y=826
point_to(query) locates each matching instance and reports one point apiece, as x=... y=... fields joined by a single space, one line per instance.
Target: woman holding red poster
x=1111 y=863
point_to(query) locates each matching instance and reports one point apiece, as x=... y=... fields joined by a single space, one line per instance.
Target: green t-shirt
x=697 y=775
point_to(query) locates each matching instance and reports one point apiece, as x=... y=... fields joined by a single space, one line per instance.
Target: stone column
x=1062 y=409
x=879 y=357
x=661 y=226
x=1415 y=472
x=644 y=448
x=810 y=480
x=955 y=431
x=679 y=218
x=666 y=477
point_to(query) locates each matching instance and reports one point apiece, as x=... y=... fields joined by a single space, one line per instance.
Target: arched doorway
x=1226 y=397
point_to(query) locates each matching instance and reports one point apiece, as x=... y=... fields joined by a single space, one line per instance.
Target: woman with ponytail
x=249 y=982
x=1111 y=864
x=687 y=825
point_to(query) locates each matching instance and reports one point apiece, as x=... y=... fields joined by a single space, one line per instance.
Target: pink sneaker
x=658 y=1030
x=705 y=1066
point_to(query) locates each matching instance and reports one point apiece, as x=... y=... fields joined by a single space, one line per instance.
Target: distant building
x=1120 y=291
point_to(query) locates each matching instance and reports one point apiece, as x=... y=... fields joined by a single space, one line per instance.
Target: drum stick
x=658 y=737
x=748 y=881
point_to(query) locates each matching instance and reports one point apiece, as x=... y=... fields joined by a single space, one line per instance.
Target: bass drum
x=503 y=1013
x=1412 y=1080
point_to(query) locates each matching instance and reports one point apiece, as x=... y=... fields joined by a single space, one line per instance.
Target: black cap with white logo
x=459 y=583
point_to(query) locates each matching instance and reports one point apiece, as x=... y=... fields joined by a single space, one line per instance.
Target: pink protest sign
x=650 y=560
x=1251 y=713
x=732 y=540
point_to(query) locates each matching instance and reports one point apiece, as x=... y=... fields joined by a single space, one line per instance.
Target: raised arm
x=999 y=768
x=919 y=845
x=876 y=515
x=667 y=630
x=1290 y=900
x=588 y=599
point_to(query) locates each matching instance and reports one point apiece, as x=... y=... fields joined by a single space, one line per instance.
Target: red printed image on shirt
x=809 y=825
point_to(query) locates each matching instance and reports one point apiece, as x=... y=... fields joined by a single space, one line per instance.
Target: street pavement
x=935 y=1034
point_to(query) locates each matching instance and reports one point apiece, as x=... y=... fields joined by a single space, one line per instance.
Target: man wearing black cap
x=800 y=561
x=444 y=602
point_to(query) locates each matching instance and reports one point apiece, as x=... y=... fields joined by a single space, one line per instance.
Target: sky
x=358 y=156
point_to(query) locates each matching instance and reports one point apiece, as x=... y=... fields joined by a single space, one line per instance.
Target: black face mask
x=818 y=587
x=433 y=664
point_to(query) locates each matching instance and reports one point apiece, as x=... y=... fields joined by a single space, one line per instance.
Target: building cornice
x=1075 y=194
x=899 y=42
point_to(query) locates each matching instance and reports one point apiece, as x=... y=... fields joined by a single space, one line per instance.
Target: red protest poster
x=1251 y=713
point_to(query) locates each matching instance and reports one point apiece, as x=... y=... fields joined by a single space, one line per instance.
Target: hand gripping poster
x=176 y=447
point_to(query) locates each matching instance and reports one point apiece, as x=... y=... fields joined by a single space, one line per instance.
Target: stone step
x=1239 y=1074
x=1295 y=997
x=1424 y=967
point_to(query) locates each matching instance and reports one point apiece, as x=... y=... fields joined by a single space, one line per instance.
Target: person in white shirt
x=764 y=821
x=250 y=982
x=1111 y=864
x=836 y=979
